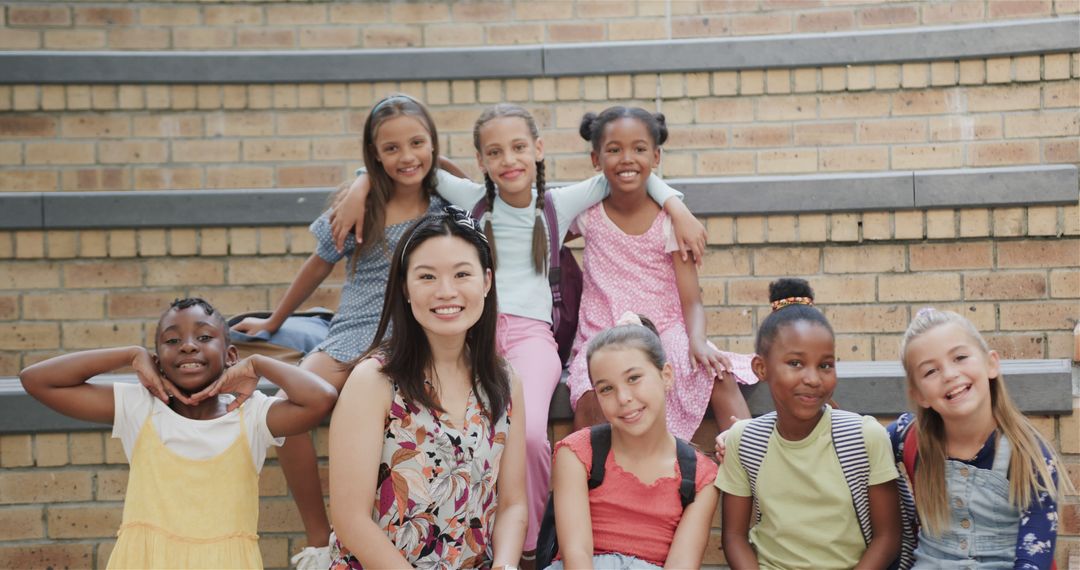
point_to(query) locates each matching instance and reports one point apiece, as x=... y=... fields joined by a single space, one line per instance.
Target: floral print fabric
x=436 y=487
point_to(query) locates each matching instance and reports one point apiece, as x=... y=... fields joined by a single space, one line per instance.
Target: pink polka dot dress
x=635 y=273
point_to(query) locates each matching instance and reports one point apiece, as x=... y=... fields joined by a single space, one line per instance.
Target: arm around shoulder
x=356 y=442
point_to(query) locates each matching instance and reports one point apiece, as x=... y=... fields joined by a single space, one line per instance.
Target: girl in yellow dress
x=195 y=432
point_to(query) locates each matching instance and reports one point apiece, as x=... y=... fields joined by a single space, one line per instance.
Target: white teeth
x=191 y=365
x=447 y=310
x=627 y=174
x=955 y=392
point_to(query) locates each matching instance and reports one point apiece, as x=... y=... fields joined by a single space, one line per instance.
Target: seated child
x=195 y=433
x=635 y=517
x=823 y=480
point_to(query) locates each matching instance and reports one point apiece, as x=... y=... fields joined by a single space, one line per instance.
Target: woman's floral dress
x=436 y=488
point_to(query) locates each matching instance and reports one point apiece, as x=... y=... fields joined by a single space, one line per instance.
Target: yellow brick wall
x=61 y=498
x=1014 y=271
x=249 y=24
x=948 y=114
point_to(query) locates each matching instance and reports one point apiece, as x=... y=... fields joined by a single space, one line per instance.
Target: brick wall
x=61 y=498
x=251 y=25
x=947 y=114
x=1014 y=271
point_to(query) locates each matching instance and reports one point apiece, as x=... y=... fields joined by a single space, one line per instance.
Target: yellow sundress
x=189 y=513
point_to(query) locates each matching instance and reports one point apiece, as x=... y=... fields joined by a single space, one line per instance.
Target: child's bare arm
x=885 y=522
x=356 y=441
x=573 y=521
x=61 y=382
x=451 y=167
x=310 y=398
x=348 y=213
x=701 y=354
x=512 y=514
x=692 y=535
x=689 y=231
x=314 y=271
x=735 y=533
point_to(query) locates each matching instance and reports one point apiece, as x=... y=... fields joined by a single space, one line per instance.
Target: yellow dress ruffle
x=187 y=513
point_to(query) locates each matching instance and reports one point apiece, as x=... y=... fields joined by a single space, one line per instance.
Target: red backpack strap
x=911 y=449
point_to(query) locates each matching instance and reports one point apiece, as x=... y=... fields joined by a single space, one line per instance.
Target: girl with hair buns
x=511 y=155
x=986 y=482
x=629 y=264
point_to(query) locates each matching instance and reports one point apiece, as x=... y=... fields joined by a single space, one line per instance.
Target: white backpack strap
x=752 y=448
x=850 y=448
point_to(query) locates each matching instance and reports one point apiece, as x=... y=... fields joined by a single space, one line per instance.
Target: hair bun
x=586 y=128
x=789 y=287
x=662 y=130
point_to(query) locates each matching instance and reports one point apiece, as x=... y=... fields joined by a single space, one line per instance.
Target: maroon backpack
x=564 y=277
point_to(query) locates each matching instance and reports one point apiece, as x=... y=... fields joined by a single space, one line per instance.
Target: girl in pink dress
x=629 y=266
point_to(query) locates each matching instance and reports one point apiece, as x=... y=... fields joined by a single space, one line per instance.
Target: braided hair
x=539 y=234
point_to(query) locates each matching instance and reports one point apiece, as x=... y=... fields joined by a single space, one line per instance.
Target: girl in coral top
x=635 y=518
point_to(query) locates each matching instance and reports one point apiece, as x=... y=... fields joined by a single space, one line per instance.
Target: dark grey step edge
x=1011 y=38
x=874 y=388
x=895 y=190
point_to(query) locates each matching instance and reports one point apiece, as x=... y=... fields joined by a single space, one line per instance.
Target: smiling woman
x=442 y=406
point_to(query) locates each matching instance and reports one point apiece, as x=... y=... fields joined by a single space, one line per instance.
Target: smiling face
x=404 y=148
x=627 y=154
x=508 y=154
x=800 y=368
x=631 y=390
x=446 y=285
x=950 y=372
x=193 y=348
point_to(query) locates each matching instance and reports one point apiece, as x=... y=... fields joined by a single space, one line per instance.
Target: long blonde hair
x=1029 y=473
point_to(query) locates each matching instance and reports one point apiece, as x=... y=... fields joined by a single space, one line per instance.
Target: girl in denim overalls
x=986 y=482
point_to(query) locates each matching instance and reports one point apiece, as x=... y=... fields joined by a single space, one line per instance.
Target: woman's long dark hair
x=406 y=354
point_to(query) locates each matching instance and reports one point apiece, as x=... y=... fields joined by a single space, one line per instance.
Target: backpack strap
x=688 y=469
x=480 y=208
x=752 y=448
x=850 y=448
x=906 y=459
x=600 y=439
x=910 y=451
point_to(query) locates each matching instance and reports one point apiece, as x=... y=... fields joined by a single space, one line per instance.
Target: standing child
x=511 y=154
x=985 y=480
x=193 y=493
x=822 y=479
x=400 y=148
x=427 y=444
x=635 y=518
x=629 y=265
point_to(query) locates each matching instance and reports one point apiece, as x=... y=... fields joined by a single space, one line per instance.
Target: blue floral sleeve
x=1037 y=536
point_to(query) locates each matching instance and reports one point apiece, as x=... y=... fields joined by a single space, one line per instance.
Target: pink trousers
x=531 y=350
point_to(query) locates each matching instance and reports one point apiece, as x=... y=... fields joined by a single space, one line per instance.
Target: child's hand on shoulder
x=240 y=380
x=691 y=236
x=347 y=215
x=708 y=357
x=721 y=443
x=150 y=376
